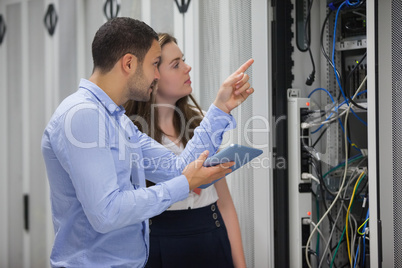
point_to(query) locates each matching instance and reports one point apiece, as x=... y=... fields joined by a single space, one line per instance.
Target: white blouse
x=206 y=197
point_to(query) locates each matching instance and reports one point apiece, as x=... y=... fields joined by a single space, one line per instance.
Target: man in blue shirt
x=97 y=160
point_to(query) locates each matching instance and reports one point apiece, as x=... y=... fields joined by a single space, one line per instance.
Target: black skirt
x=189 y=238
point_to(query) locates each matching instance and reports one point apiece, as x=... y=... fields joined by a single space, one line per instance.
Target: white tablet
x=240 y=154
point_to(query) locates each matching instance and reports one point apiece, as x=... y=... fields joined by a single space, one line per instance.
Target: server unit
x=327 y=140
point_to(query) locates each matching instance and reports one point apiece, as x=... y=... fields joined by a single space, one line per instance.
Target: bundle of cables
x=342 y=195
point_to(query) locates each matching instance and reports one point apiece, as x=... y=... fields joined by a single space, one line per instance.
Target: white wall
x=37 y=71
x=227 y=33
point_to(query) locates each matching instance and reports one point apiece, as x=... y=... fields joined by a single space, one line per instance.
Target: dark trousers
x=189 y=238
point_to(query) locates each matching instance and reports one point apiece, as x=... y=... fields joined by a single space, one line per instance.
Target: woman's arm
x=228 y=211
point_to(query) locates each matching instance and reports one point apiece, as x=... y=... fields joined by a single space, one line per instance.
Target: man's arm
x=161 y=164
x=101 y=180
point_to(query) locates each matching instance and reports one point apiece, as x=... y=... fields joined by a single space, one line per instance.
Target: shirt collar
x=102 y=97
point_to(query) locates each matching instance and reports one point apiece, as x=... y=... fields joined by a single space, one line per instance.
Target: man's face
x=146 y=75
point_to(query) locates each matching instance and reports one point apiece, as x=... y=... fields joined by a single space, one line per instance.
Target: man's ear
x=129 y=63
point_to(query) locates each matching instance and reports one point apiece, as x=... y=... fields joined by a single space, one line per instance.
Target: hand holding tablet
x=240 y=154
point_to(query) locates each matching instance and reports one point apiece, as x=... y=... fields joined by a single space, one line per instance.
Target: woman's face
x=174 y=82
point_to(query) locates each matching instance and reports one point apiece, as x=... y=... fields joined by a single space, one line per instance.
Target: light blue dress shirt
x=97 y=161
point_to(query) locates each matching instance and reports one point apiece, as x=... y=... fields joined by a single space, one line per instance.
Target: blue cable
x=352 y=4
x=323 y=89
x=347 y=2
x=333 y=49
x=364 y=237
x=315 y=131
x=353 y=157
x=335 y=70
x=332 y=6
x=336 y=108
x=364 y=243
x=357 y=252
x=358 y=117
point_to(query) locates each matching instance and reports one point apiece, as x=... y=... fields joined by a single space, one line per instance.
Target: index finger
x=245 y=66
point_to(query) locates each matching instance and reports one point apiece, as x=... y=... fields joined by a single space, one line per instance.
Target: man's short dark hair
x=118 y=37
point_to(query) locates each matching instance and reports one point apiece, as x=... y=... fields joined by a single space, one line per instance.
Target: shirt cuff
x=218 y=119
x=178 y=188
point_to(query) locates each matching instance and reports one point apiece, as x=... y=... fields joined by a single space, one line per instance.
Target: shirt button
x=215 y=216
x=213 y=207
x=218 y=224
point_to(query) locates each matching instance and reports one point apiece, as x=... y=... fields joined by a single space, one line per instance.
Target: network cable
x=348 y=3
x=363 y=174
x=306 y=124
x=364 y=237
x=330 y=236
x=357 y=253
x=337 y=196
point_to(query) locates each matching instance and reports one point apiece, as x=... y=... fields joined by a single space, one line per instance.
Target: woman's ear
x=129 y=63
